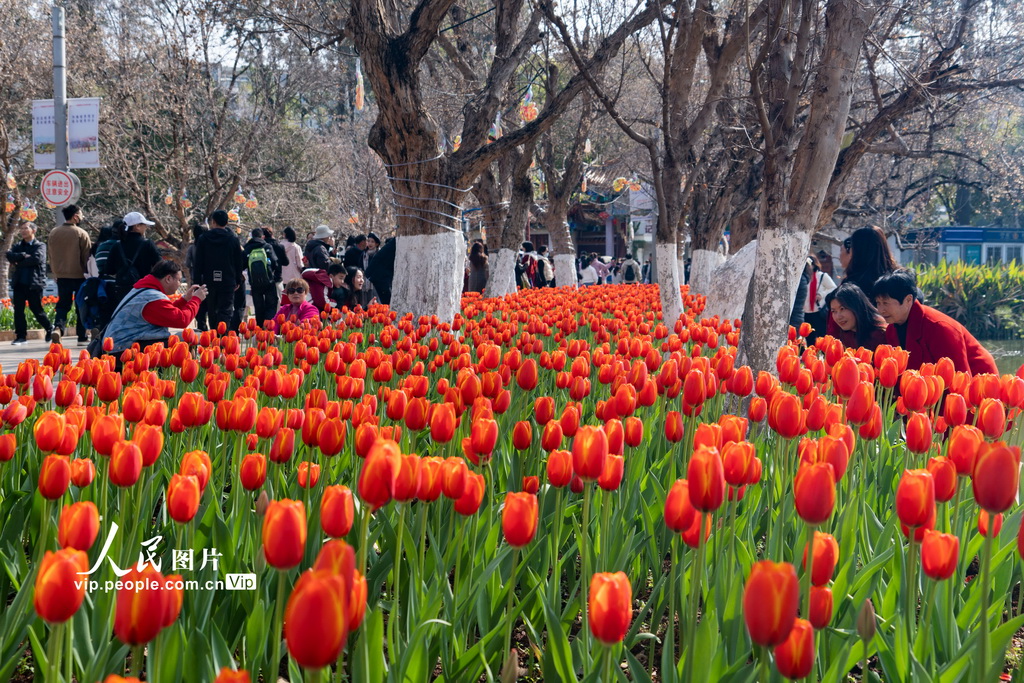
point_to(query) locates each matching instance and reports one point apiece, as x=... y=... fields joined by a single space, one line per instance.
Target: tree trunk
x=428 y=274
x=562 y=249
x=502 y=280
x=669 y=283
x=702 y=269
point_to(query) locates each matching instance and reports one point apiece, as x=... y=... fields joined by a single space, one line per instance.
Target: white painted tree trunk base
x=565 y=270
x=669 y=284
x=702 y=269
x=502 y=280
x=728 y=284
x=429 y=271
x=780 y=257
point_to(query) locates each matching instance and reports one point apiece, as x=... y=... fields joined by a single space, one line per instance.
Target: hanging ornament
x=233 y=215
x=49 y=205
x=635 y=186
x=586 y=146
x=583 y=185
x=618 y=184
x=185 y=202
x=527 y=109
x=251 y=202
x=239 y=196
x=354 y=218
x=11 y=182
x=456 y=143
x=495 y=132
x=28 y=212
x=9 y=204
x=360 y=88
x=169 y=197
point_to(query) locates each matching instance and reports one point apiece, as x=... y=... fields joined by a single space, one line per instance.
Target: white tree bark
x=729 y=284
x=669 y=284
x=502 y=280
x=771 y=297
x=428 y=275
x=565 y=270
x=702 y=270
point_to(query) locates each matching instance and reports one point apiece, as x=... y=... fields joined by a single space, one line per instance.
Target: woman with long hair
x=294 y=252
x=479 y=270
x=866 y=257
x=855 y=317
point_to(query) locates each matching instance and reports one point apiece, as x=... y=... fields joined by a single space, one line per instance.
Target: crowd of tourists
x=121 y=287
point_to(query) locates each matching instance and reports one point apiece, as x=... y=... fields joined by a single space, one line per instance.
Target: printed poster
x=82 y=136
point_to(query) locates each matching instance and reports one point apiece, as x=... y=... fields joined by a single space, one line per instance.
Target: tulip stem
x=44 y=530
x=137 y=656
x=766 y=671
x=556 y=582
x=53 y=650
x=986 y=569
x=606 y=511
x=509 y=621
x=585 y=565
x=393 y=618
x=275 y=660
x=806 y=580
x=670 y=640
x=69 y=661
x=424 y=509
x=609 y=665
x=697 y=570
x=912 y=586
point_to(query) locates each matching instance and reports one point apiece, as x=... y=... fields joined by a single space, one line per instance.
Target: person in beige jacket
x=68 y=247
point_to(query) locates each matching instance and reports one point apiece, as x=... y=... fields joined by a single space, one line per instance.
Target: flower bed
x=556 y=476
x=49 y=305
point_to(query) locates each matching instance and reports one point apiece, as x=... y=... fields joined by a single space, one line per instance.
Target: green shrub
x=987 y=300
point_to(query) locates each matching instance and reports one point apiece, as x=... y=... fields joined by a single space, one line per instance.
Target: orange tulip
x=253 y=471
x=83 y=471
x=794 y=658
x=551 y=436
x=634 y=431
x=527 y=375
x=54 y=476
x=226 y=675
x=377 y=478
x=284 y=533
x=519 y=518
x=964 y=443
x=49 y=431
x=707 y=479
x=544 y=409
x=315 y=619
x=821 y=607
x=79 y=526
x=330 y=436
x=944 y=473
x=915 y=497
x=680 y=514
x=991 y=418
x=610 y=607
x=484 y=436
x=108 y=386
x=785 y=415
x=826 y=556
x=522 y=435
x=770 y=601
x=955 y=410
x=337 y=511
x=142 y=606
x=758 y=409
x=150 y=441
x=919 y=433
x=429 y=488
x=408 y=479
x=472 y=496
x=357 y=601
x=8 y=445
x=559 y=468
x=589 y=451
x=861 y=403
x=59 y=590
x=814 y=492
x=673 y=426
x=442 y=423
x=939 y=554
x=845 y=377
x=611 y=476
x=283 y=447
x=989 y=523
x=995 y=476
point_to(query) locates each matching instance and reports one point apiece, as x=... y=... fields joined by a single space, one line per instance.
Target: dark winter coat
x=219 y=259
x=29 y=261
x=281 y=255
x=133 y=246
x=317 y=255
x=381 y=270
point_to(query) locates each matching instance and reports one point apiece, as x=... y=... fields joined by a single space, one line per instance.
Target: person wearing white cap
x=133 y=258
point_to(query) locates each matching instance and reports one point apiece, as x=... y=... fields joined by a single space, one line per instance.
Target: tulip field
x=555 y=487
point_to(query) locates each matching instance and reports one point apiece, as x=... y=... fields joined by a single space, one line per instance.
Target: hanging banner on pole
x=43 y=149
x=83 y=133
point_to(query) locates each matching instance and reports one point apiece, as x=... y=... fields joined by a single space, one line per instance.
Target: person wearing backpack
x=630 y=271
x=262 y=266
x=545 y=271
x=220 y=265
x=133 y=258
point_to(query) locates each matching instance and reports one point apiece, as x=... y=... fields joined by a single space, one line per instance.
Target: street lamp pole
x=60 y=104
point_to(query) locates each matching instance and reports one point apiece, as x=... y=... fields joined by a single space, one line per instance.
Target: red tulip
x=673 y=426
x=919 y=433
x=253 y=471
x=794 y=658
x=83 y=471
x=59 y=588
x=79 y=526
x=987 y=522
x=680 y=514
x=770 y=601
x=915 y=497
x=559 y=468
x=995 y=476
x=519 y=518
x=991 y=418
x=337 y=511
x=522 y=435
x=707 y=479
x=142 y=605
x=284 y=533
x=610 y=607
x=380 y=470
x=183 y=498
x=442 y=423
x=54 y=477
x=939 y=554
x=611 y=476
x=315 y=619
x=944 y=473
x=814 y=492
x=589 y=451
x=821 y=607
x=472 y=496
x=826 y=557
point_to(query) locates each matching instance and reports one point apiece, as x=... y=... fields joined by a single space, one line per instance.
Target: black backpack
x=629 y=273
x=127 y=275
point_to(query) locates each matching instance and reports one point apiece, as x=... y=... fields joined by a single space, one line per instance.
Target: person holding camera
x=28 y=258
x=147 y=314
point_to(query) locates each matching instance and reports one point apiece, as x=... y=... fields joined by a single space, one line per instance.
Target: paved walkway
x=11 y=355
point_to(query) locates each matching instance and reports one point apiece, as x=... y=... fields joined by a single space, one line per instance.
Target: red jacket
x=849 y=339
x=167 y=313
x=932 y=335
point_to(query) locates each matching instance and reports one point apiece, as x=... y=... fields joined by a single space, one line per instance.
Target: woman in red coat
x=924 y=332
x=853 y=314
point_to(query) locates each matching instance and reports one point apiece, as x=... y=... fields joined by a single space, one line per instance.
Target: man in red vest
x=925 y=332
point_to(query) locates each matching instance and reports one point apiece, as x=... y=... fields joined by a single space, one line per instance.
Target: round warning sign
x=60 y=188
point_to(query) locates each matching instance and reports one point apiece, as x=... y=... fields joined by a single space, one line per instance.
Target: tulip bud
x=866 y=622
x=262 y=503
